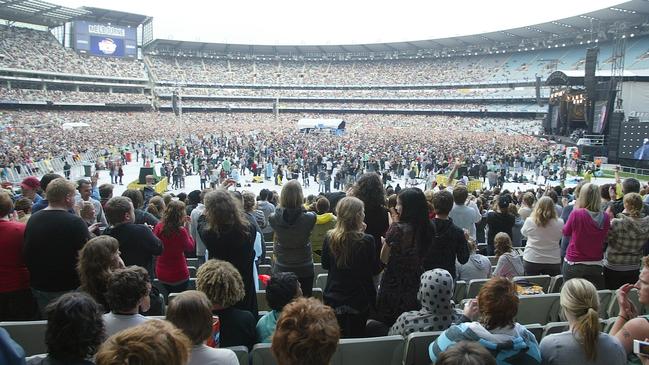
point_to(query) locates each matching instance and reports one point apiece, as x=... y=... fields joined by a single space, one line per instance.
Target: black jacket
x=448 y=244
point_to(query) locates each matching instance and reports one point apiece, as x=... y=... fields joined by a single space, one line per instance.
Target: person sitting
x=127 y=293
x=153 y=342
x=74 y=330
x=437 y=312
x=509 y=263
x=97 y=260
x=477 y=267
x=325 y=221
x=191 y=312
x=281 y=289
x=307 y=332
x=583 y=343
x=628 y=326
x=496 y=306
x=466 y=353
x=223 y=285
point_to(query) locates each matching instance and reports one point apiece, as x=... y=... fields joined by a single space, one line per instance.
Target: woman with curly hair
x=369 y=190
x=173 y=231
x=229 y=236
x=75 y=330
x=222 y=284
x=97 y=260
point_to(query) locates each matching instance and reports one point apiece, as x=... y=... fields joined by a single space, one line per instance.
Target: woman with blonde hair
x=349 y=256
x=98 y=258
x=292 y=225
x=588 y=228
x=628 y=234
x=542 y=255
x=583 y=343
x=229 y=236
x=173 y=232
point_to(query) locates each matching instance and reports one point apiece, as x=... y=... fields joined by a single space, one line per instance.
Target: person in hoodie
x=509 y=264
x=292 y=226
x=448 y=243
x=324 y=222
x=437 y=312
x=477 y=267
x=628 y=234
x=588 y=228
x=496 y=306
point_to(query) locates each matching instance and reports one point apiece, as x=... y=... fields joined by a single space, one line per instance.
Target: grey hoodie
x=478 y=267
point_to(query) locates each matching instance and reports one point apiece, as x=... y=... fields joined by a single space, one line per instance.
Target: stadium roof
x=634 y=13
x=38 y=12
x=100 y=15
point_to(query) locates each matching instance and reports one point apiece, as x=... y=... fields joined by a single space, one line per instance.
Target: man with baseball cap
x=30 y=186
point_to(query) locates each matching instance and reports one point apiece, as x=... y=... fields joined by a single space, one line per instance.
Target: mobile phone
x=640 y=347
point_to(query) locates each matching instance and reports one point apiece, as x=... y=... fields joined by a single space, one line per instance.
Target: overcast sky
x=298 y=22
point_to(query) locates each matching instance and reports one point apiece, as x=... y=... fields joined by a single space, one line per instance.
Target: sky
x=301 y=22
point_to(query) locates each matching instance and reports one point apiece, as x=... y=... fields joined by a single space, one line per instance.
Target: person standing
x=171 y=266
x=53 y=238
x=542 y=255
x=292 y=226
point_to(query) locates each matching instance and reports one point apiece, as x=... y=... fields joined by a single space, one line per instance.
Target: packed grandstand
x=413 y=188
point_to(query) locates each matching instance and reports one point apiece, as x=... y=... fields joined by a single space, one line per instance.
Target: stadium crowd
x=65 y=96
x=30 y=49
x=365 y=93
x=93 y=264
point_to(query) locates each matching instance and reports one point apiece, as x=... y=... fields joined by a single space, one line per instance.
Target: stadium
x=471 y=157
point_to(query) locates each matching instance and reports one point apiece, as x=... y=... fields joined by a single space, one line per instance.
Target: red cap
x=30 y=182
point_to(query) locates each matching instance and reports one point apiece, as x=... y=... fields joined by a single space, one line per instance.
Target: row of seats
x=412 y=350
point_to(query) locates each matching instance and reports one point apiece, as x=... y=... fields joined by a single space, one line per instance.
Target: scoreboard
x=105 y=39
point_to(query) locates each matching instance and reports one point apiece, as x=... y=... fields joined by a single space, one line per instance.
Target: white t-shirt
x=543 y=243
x=204 y=355
x=118 y=322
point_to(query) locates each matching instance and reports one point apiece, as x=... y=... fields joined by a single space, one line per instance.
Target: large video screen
x=105 y=40
x=634 y=140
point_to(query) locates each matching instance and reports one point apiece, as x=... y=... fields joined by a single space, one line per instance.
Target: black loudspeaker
x=590 y=67
x=614 y=126
x=144 y=171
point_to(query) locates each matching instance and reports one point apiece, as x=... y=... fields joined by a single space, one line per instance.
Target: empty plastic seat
x=415 y=351
x=192 y=271
x=193 y=261
x=369 y=351
x=536 y=329
x=541 y=308
x=261 y=355
x=540 y=280
x=262 y=303
x=321 y=281
x=460 y=291
x=474 y=287
x=605 y=297
x=555 y=327
x=555 y=284
x=242 y=354
x=28 y=334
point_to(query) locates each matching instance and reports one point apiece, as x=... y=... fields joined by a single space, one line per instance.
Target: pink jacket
x=587 y=236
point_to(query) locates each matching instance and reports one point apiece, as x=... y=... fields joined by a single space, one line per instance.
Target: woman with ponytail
x=542 y=255
x=583 y=343
x=349 y=256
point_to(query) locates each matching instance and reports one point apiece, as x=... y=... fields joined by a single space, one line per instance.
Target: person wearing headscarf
x=437 y=311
